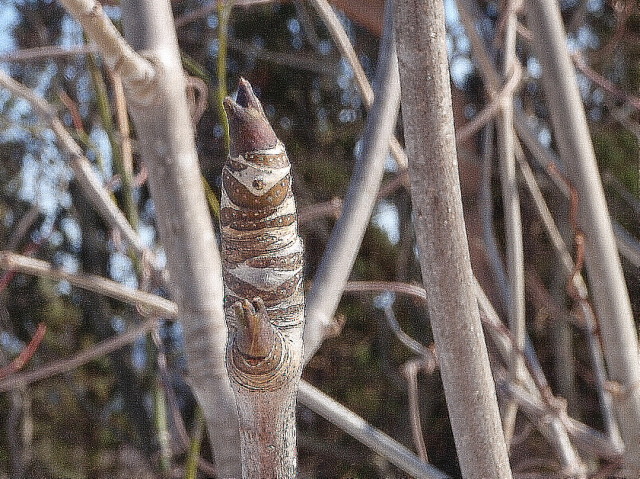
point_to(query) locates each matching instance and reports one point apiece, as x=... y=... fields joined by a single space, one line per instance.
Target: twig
x=54 y=368
x=146 y=303
x=602 y=82
x=331 y=208
x=205 y=10
x=343 y=43
x=410 y=371
x=496 y=104
x=81 y=166
x=348 y=232
x=124 y=161
x=371 y=437
x=411 y=344
x=47 y=52
x=485 y=206
x=25 y=354
x=512 y=217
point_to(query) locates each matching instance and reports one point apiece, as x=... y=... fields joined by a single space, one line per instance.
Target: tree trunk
x=442 y=242
x=264 y=302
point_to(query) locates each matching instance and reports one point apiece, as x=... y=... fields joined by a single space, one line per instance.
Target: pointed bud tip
x=249 y=128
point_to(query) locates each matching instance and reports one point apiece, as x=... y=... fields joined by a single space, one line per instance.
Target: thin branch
x=410 y=371
x=485 y=206
x=332 y=22
x=411 y=344
x=46 y=53
x=496 y=104
x=146 y=303
x=91 y=185
x=512 y=216
x=206 y=9
x=344 y=243
x=54 y=368
x=26 y=354
x=371 y=437
x=602 y=82
x=118 y=55
x=609 y=290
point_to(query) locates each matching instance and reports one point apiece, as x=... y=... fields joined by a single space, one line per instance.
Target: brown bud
x=248 y=125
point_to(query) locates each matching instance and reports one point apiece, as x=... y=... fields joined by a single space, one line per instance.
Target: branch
x=137 y=73
x=357 y=427
x=339 y=35
x=512 y=217
x=167 y=146
x=54 y=368
x=441 y=240
x=47 y=52
x=610 y=295
x=146 y=303
x=361 y=196
x=91 y=185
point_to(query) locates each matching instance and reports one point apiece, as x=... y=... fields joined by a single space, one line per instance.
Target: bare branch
x=91 y=185
x=348 y=232
x=348 y=52
x=610 y=295
x=441 y=239
x=357 y=427
x=136 y=71
x=146 y=303
x=54 y=368
x=47 y=52
x=166 y=139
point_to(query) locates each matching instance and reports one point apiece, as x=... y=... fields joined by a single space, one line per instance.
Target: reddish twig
x=71 y=105
x=602 y=82
x=26 y=354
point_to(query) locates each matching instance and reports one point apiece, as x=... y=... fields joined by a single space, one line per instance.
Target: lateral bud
x=257 y=354
x=256 y=335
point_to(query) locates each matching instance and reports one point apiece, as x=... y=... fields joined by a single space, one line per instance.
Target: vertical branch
x=156 y=93
x=335 y=268
x=264 y=302
x=512 y=220
x=610 y=294
x=441 y=238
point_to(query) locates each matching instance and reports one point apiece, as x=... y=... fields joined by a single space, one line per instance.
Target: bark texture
x=264 y=302
x=442 y=242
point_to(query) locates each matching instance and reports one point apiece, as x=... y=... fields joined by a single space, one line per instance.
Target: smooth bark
x=346 y=237
x=167 y=145
x=609 y=291
x=442 y=243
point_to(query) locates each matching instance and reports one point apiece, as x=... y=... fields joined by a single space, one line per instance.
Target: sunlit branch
x=146 y=303
x=136 y=71
x=91 y=185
